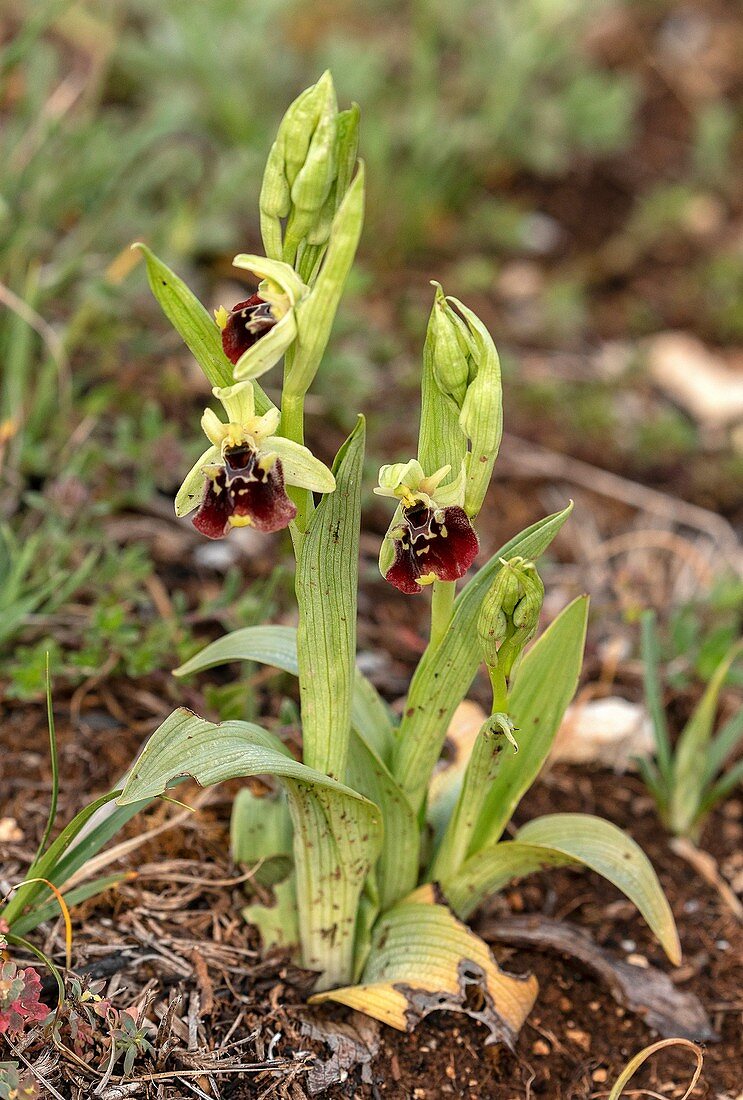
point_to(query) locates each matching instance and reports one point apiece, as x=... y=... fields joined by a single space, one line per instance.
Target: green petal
x=266 y=352
x=192 y=489
x=276 y=271
x=387 y=549
x=301 y=468
x=238 y=401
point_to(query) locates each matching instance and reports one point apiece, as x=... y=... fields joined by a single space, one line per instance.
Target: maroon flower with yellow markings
x=246 y=488
x=240 y=480
x=244 y=324
x=429 y=540
x=257 y=331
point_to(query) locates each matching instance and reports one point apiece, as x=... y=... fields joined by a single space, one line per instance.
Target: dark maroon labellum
x=247 y=322
x=445 y=546
x=241 y=487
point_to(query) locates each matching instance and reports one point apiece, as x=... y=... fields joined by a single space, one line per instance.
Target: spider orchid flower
x=258 y=331
x=240 y=480
x=431 y=537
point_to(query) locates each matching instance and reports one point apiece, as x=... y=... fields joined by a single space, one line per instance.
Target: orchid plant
x=377 y=850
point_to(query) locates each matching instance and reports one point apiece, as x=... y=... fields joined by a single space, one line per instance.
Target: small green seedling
x=689 y=779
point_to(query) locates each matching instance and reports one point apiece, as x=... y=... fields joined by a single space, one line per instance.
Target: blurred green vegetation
x=496 y=133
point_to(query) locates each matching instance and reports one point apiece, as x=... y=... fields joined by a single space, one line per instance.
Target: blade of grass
x=639 y=1059
x=54 y=764
x=48 y=910
x=654 y=693
x=693 y=748
x=65 y=913
x=47 y=865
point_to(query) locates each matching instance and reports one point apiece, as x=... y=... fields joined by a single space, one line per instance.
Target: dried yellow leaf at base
x=424 y=960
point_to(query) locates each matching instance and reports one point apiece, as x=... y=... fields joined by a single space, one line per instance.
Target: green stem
x=292 y=427
x=442 y=609
x=499 y=685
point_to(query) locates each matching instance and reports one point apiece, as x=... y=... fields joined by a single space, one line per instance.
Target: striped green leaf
x=327 y=585
x=490 y=750
x=261 y=833
x=397 y=869
x=560 y=839
x=371 y=745
x=337 y=832
x=492 y=868
x=277 y=646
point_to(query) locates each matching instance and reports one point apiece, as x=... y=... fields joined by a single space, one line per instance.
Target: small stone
x=9 y=831
x=599 y=1076
x=638 y=960
x=604 y=731
x=564 y=1004
x=581 y=1038
x=696 y=378
x=541 y=233
x=451 y=1073
x=521 y=281
x=628 y=945
x=541 y=1048
x=704 y=215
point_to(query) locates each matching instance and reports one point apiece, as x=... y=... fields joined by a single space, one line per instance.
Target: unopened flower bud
x=314 y=179
x=451 y=349
x=509 y=615
x=316 y=313
x=347 y=143
x=466 y=373
x=308 y=172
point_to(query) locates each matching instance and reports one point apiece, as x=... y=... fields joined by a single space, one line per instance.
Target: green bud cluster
x=466 y=373
x=508 y=619
x=307 y=174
